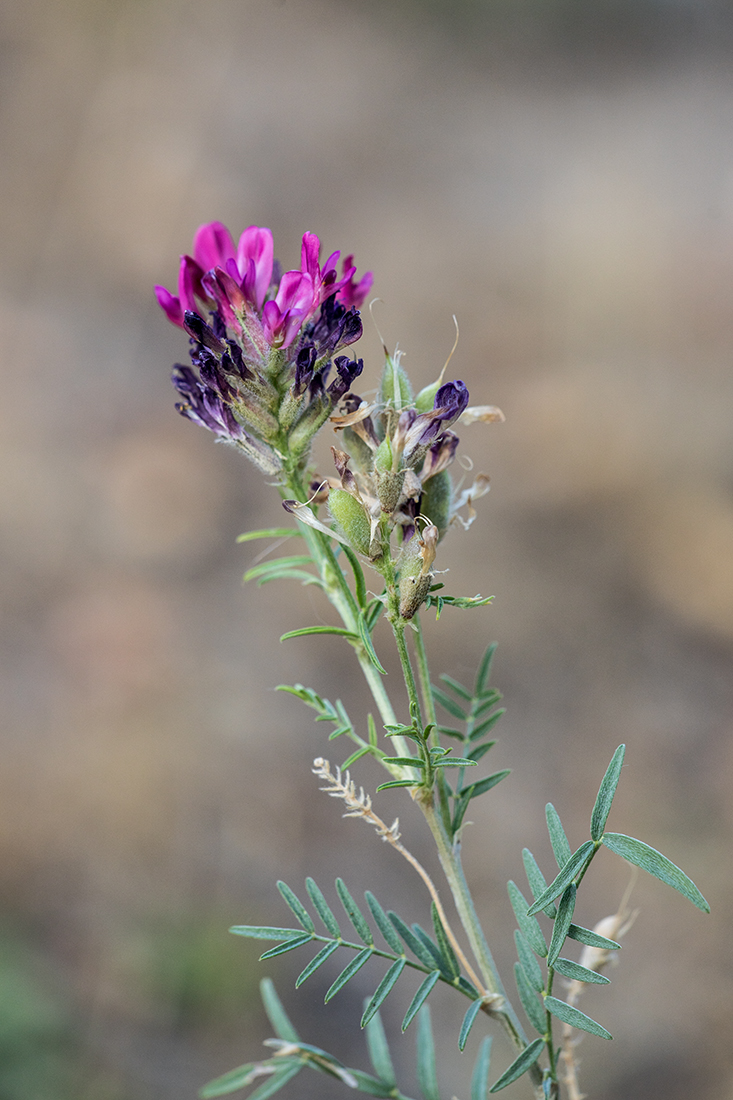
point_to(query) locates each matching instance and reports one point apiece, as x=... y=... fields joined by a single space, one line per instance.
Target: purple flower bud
x=450 y=401
x=439 y=456
x=197 y=328
x=304 y=365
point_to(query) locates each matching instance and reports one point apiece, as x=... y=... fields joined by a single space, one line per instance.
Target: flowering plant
x=268 y=372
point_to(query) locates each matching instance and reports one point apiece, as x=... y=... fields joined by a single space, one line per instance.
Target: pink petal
x=213 y=245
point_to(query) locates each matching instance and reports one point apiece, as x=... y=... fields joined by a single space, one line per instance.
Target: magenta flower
x=351 y=294
x=189 y=288
x=283 y=317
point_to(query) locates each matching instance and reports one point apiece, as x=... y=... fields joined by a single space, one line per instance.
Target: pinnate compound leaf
x=483 y=785
x=536 y=880
x=487 y=724
x=468 y=1022
x=520 y=1065
x=606 y=791
x=558 y=840
x=289 y=945
x=278 y=565
x=359 y=581
x=480 y=1076
x=575 y=1018
x=649 y=859
x=426 y=1072
x=577 y=973
x=422 y=994
x=384 y=924
x=562 y=922
x=399 y=783
x=255 y=932
x=484 y=669
x=529 y=963
x=301 y=913
x=457 y=688
x=528 y=926
x=529 y=999
x=434 y=952
x=316 y=961
x=323 y=908
x=577 y=863
x=348 y=973
x=372 y=1085
x=354 y=914
x=591 y=939
x=379 y=1051
x=383 y=990
x=276 y=1014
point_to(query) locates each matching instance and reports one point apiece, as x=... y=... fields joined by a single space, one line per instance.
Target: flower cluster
x=264 y=344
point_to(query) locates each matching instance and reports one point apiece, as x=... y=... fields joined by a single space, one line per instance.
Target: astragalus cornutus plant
x=271 y=367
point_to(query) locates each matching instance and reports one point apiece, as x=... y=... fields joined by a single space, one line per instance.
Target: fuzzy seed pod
x=352 y=518
x=395 y=390
x=436 y=499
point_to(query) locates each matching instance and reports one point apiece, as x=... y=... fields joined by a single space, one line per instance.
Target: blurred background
x=560 y=176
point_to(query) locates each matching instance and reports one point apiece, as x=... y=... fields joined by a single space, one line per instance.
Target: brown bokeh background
x=561 y=180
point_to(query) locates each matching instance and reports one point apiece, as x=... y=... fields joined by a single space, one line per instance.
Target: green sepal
x=528 y=925
x=421 y=995
x=323 y=908
x=652 y=861
x=563 y=920
x=316 y=961
x=468 y=1022
x=379 y=1051
x=575 y=1018
x=480 y=1076
x=366 y=638
x=524 y=1061
x=299 y=910
x=383 y=923
x=426 y=1073
x=577 y=973
x=576 y=865
x=348 y=973
x=530 y=1002
x=255 y=932
x=304 y=630
x=558 y=840
x=269 y=533
x=606 y=791
x=289 y=945
x=529 y=962
x=536 y=880
x=354 y=914
x=591 y=939
x=276 y=1013
x=385 y=987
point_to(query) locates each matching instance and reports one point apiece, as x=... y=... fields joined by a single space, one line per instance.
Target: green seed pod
x=389 y=488
x=395 y=390
x=425 y=400
x=383 y=457
x=436 y=499
x=352 y=518
x=308 y=423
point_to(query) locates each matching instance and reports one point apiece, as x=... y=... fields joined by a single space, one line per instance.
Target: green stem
x=423 y=673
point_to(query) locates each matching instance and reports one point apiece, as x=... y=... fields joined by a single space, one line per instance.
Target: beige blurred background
x=559 y=176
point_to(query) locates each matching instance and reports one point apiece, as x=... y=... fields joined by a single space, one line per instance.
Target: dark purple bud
x=353 y=327
x=450 y=400
x=347 y=370
x=439 y=456
x=217 y=325
x=197 y=328
x=304 y=364
x=237 y=359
